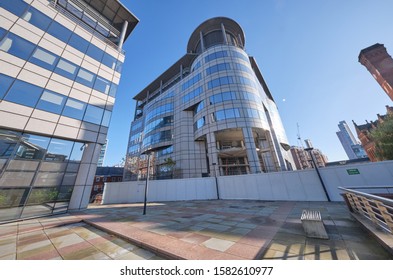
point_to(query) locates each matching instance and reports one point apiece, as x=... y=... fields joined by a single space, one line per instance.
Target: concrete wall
x=301 y=185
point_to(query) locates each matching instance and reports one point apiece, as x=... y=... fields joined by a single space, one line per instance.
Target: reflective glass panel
x=5 y=83
x=8 y=141
x=102 y=85
x=85 y=77
x=93 y=114
x=109 y=61
x=77 y=151
x=37 y=18
x=51 y=102
x=44 y=59
x=74 y=109
x=2 y=32
x=24 y=93
x=113 y=90
x=32 y=147
x=78 y=43
x=15 y=7
x=59 y=150
x=95 y=52
x=106 y=119
x=17 y=46
x=66 y=69
x=60 y=32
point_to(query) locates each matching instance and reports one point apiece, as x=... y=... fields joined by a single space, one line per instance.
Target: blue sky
x=307 y=51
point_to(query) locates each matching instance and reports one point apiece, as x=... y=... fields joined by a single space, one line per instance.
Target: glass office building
x=60 y=65
x=210 y=114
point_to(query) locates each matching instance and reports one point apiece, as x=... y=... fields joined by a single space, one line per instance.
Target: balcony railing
x=378 y=209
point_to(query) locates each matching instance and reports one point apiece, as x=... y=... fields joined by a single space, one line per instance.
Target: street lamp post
x=147 y=183
x=309 y=150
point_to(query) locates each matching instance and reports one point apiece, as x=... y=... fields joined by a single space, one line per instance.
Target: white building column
x=85 y=178
x=252 y=155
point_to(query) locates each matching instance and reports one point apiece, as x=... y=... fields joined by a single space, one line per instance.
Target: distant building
x=352 y=147
x=103 y=175
x=363 y=131
x=302 y=157
x=380 y=64
x=102 y=154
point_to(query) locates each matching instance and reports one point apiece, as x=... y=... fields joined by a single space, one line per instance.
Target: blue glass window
x=216 y=55
x=17 y=46
x=59 y=150
x=5 y=83
x=85 y=77
x=192 y=94
x=119 y=66
x=51 y=102
x=74 y=109
x=191 y=81
x=15 y=7
x=227 y=114
x=66 y=69
x=106 y=118
x=219 y=82
x=113 y=90
x=2 y=32
x=37 y=18
x=225 y=96
x=93 y=114
x=95 y=53
x=217 y=68
x=59 y=31
x=32 y=147
x=24 y=93
x=109 y=61
x=75 y=10
x=43 y=58
x=102 y=85
x=199 y=123
x=78 y=43
x=165 y=151
x=77 y=151
x=199 y=107
x=162 y=122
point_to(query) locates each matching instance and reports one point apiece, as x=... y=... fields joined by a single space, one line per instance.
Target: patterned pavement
x=224 y=229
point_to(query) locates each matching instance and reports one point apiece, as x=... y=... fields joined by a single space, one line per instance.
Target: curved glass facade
x=224 y=122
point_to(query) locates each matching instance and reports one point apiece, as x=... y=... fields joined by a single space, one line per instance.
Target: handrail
x=379 y=210
x=370 y=196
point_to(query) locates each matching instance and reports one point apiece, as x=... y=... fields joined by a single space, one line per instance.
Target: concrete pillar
x=122 y=36
x=213 y=154
x=202 y=41
x=224 y=34
x=252 y=155
x=85 y=178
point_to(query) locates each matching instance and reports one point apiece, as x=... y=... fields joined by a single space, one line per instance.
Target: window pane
x=2 y=32
x=85 y=77
x=77 y=151
x=24 y=93
x=44 y=59
x=113 y=90
x=5 y=83
x=94 y=52
x=59 y=150
x=74 y=10
x=66 y=69
x=51 y=102
x=59 y=31
x=15 y=7
x=109 y=61
x=8 y=140
x=37 y=18
x=32 y=147
x=102 y=85
x=106 y=119
x=74 y=109
x=119 y=66
x=93 y=114
x=17 y=46
x=78 y=43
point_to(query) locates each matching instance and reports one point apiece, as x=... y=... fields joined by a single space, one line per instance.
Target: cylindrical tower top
x=215 y=31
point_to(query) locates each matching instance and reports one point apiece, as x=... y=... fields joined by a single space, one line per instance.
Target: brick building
x=104 y=175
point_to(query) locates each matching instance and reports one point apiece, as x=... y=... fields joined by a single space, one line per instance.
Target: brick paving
x=223 y=229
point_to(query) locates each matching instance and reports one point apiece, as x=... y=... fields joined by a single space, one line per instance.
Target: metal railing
x=378 y=209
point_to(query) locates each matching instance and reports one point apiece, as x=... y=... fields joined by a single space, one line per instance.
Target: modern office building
x=352 y=147
x=60 y=65
x=210 y=114
x=380 y=64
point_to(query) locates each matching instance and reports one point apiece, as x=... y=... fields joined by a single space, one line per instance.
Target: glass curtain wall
x=37 y=174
